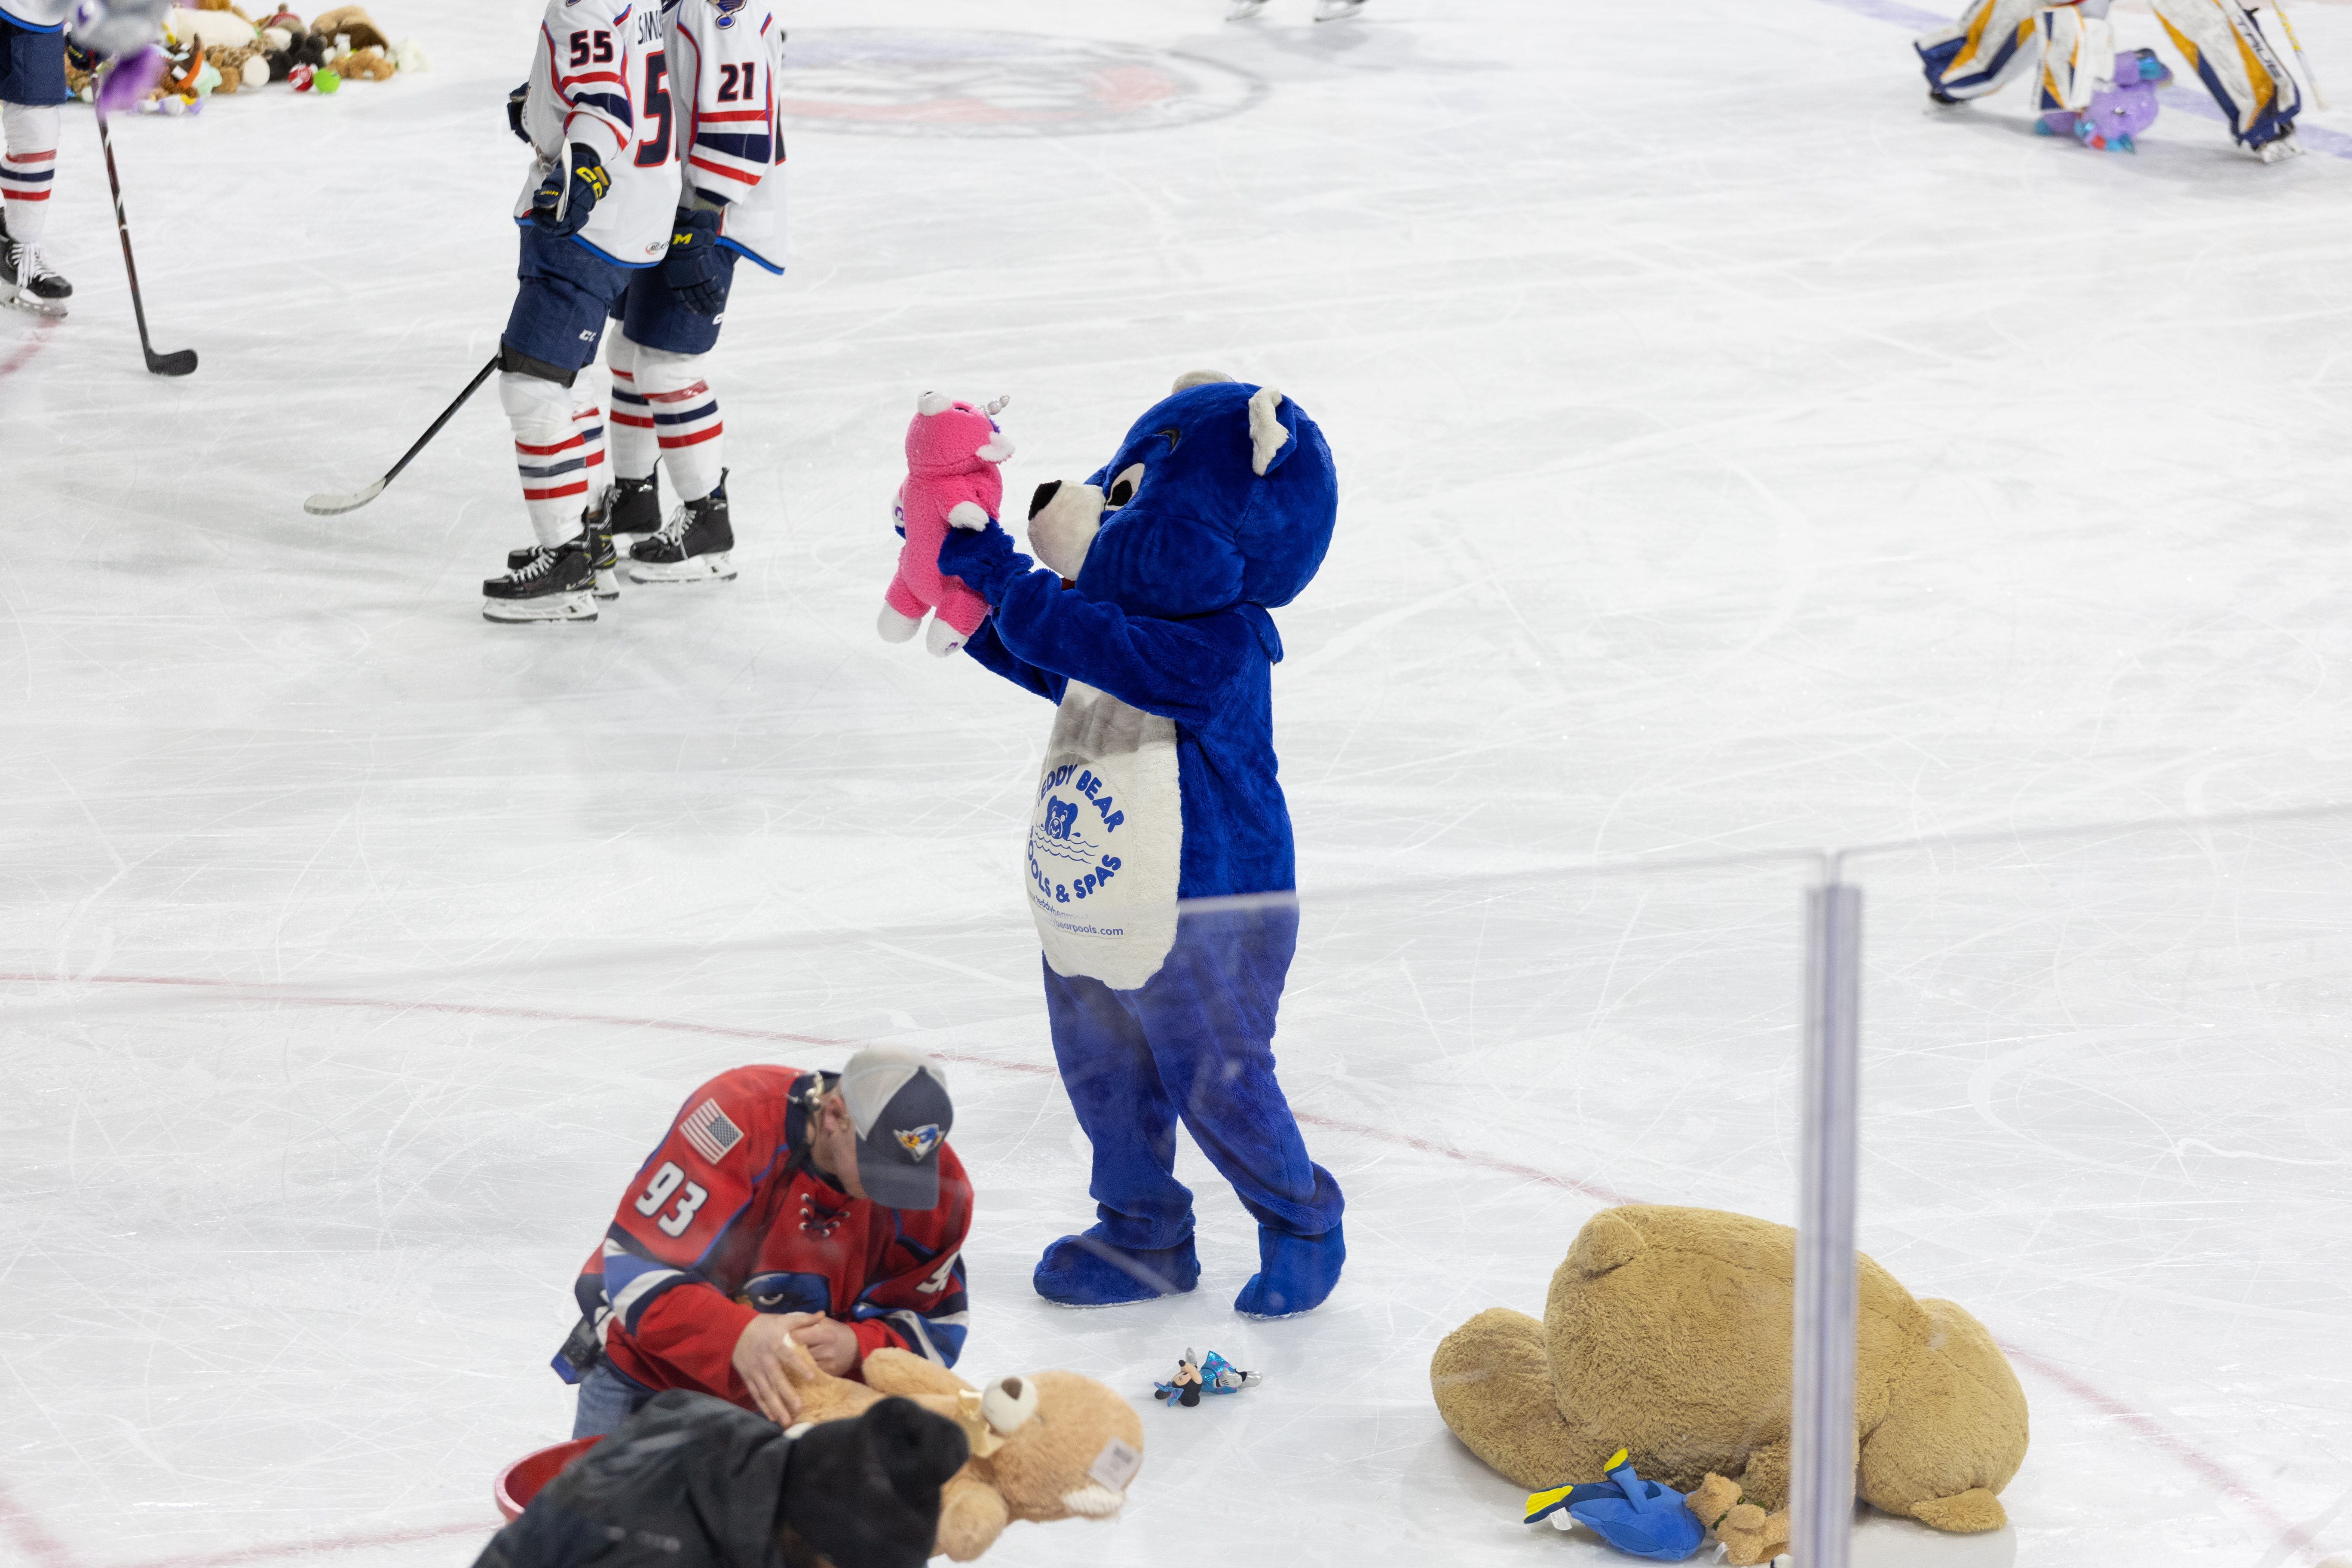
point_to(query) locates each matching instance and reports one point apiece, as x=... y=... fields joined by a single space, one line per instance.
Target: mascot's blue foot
x=1293 y=1273
x=1088 y=1272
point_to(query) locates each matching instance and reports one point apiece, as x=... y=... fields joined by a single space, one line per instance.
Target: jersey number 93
x=664 y=1186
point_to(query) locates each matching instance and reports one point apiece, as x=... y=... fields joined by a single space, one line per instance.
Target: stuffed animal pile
x=1667 y=1334
x=214 y=49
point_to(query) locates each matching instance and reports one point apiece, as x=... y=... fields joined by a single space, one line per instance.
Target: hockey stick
x=183 y=361
x=330 y=505
x=2294 y=43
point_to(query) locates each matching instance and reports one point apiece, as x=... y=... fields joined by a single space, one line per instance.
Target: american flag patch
x=707 y=1128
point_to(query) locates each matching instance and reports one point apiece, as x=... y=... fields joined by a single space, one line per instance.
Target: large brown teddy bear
x=1668 y=1333
x=1049 y=1445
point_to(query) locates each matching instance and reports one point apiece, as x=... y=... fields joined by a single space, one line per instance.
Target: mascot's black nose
x=1045 y=497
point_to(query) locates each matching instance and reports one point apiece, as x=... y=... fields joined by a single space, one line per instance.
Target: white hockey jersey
x=38 y=16
x=601 y=76
x=724 y=55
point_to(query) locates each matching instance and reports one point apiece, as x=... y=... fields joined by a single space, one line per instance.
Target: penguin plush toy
x=1148 y=630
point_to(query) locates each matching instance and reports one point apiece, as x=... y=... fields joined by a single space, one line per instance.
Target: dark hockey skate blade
x=179 y=362
x=714 y=568
x=323 y=505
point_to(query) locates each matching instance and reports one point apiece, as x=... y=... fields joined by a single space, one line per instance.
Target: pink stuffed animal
x=952 y=450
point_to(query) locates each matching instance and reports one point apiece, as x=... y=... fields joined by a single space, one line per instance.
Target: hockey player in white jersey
x=1994 y=41
x=595 y=214
x=730 y=204
x=32 y=85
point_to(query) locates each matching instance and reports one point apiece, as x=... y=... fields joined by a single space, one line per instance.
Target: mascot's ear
x=1192 y=378
x=1274 y=429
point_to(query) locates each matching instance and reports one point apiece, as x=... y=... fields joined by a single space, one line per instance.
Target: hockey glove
x=985 y=558
x=692 y=269
x=515 y=100
x=584 y=173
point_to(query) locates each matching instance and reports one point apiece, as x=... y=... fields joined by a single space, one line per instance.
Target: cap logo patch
x=920 y=1141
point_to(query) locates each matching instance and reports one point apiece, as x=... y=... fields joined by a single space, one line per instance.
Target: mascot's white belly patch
x=1106 y=841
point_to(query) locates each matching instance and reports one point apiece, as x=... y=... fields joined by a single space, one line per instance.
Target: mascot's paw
x=985 y=560
x=1295 y=1273
x=1088 y=1272
x=896 y=627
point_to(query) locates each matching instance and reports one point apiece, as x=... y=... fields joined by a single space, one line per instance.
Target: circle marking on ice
x=892 y=82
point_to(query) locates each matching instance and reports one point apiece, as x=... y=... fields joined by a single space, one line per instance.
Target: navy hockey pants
x=654 y=318
x=1194 y=1044
x=565 y=289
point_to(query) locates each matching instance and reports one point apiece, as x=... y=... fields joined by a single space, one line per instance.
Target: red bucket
x=520 y=1482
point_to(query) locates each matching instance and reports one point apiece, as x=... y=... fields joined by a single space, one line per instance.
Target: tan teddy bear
x=1748 y=1534
x=354 y=22
x=1668 y=1333
x=370 y=64
x=1048 y=1446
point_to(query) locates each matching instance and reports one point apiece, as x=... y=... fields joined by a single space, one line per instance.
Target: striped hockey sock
x=635 y=449
x=685 y=420
x=559 y=453
x=27 y=167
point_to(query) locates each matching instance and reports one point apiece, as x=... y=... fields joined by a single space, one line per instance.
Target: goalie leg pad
x=2237 y=65
x=2078 y=58
x=1982 y=51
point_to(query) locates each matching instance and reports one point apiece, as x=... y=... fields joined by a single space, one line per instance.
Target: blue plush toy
x=1637 y=1517
x=1149 y=631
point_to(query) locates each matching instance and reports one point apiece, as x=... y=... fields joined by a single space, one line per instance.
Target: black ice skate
x=633 y=507
x=26 y=280
x=694 y=545
x=556 y=585
x=601 y=556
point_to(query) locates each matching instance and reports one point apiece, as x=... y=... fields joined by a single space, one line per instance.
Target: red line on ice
x=36 y=1542
x=42 y=327
x=2152 y=1432
x=320 y=1543
x=40 y=1546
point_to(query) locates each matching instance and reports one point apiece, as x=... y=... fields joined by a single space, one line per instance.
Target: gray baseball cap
x=898 y=1100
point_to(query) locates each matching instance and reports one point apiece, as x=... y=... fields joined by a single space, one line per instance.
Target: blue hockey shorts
x=32 y=65
x=567 y=292
x=655 y=319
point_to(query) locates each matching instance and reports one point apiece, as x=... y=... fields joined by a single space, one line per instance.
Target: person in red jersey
x=785 y=1209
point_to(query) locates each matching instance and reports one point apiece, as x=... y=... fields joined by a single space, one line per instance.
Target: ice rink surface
x=1737 y=458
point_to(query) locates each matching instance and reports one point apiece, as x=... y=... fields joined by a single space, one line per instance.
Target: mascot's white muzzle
x=1063 y=521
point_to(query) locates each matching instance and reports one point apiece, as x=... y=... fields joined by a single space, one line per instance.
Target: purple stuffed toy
x=2117 y=114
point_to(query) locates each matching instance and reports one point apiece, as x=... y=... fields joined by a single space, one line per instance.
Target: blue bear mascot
x=1149 y=632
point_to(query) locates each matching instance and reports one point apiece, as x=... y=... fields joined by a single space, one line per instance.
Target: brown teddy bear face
x=1074 y=1457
